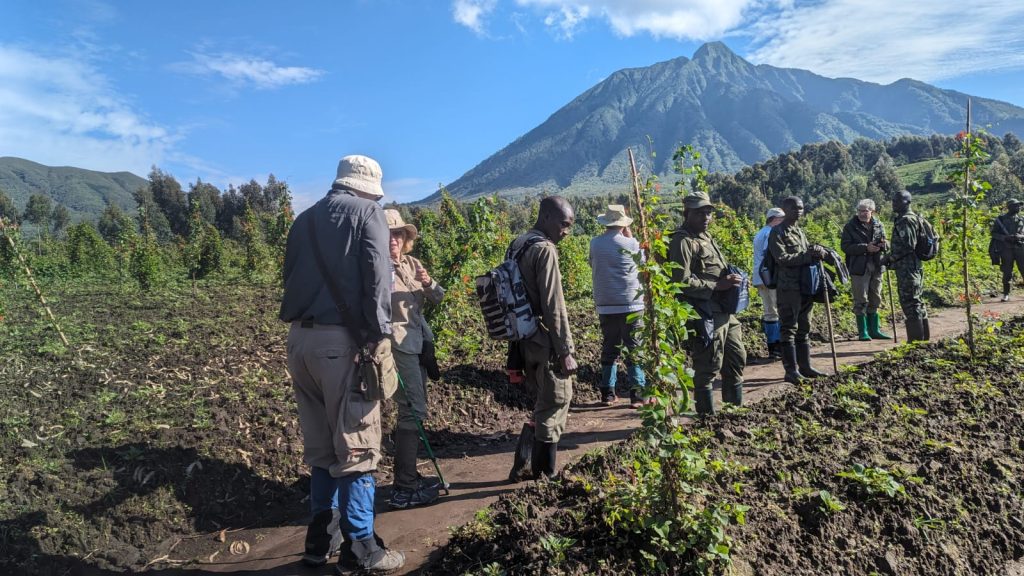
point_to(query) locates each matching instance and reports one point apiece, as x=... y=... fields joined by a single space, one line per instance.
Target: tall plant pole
x=645 y=240
x=32 y=280
x=963 y=237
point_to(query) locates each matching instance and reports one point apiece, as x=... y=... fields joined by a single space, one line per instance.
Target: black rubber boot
x=524 y=455
x=545 y=455
x=803 y=360
x=793 y=375
x=733 y=393
x=323 y=538
x=926 y=332
x=705 y=401
x=915 y=329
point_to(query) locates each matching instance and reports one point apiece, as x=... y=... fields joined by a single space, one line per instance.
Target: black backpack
x=927 y=246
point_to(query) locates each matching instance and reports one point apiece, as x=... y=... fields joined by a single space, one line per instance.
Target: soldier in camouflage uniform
x=907 y=266
x=1008 y=230
x=788 y=245
x=706 y=274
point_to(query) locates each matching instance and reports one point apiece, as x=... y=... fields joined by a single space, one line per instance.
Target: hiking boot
x=704 y=402
x=323 y=538
x=608 y=397
x=636 y=399
x=369 y=556
x=1005 y=298
x=402 y=498
x=545 y=459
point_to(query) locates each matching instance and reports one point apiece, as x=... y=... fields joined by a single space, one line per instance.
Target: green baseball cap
x=695 y=200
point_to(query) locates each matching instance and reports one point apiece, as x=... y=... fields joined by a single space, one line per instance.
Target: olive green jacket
x=701 y=265
x=543 y=280
x=789 y=247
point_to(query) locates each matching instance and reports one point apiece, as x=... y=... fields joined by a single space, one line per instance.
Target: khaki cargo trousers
x=340 y=429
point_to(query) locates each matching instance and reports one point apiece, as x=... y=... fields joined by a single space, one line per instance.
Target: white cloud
x=62 y=111
x=883 y=41
x=680 y=19
x=471 y=13
x=247 y=70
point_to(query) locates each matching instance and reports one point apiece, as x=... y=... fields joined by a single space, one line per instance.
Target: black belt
x=307 y=323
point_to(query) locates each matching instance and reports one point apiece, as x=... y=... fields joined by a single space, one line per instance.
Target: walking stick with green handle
x=892 y=307
x=423 y=434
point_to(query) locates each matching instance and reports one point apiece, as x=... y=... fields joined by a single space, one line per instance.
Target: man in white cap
x=770 y=312
x=337 y=298
x=619 y=301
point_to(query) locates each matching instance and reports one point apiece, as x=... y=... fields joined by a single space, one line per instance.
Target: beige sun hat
x=362 y=174
x=614 y=216
x=395 y=222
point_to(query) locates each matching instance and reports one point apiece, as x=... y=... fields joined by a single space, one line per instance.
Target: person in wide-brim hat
x=395 y=222
x=614 y=216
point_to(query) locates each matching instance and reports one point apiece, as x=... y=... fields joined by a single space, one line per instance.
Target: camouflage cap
x=1014 y=202
x=695 y=200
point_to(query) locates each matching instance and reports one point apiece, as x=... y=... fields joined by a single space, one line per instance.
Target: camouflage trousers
x=909 y=285
x=1011 y=255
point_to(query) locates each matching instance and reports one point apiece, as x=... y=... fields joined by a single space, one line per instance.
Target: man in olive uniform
x=904 y=262
x=717 y=343
x=793 y=254
x=548 y=354
x=1008 y=229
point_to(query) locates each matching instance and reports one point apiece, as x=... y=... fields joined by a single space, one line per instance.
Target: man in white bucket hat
x=619 y=302
x=337 y=298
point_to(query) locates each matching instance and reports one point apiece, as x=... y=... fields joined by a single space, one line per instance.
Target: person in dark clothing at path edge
x=907 y=266
x=548 y=354
x=1008 y=230
x=341 y=240
x=864 y=243
x=717 y=343
x=789 y=247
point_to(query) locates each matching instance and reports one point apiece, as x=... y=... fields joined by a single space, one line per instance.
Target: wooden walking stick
x=828 y=316
x=892 y=307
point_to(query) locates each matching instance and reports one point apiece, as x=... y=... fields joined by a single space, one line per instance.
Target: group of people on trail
x=354 y=298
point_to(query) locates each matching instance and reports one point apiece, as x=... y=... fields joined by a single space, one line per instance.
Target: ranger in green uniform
x=904 y=262
x=1008 y=229
x=788 y=246
x=717 y=343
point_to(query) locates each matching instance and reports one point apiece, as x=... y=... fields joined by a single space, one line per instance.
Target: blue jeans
x=353 y=494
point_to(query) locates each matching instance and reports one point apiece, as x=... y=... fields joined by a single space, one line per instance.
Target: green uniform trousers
x=725 y=354
x=794 y=315
x=554 y=393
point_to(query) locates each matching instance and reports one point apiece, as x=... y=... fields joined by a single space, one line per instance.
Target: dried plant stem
x=32 y=280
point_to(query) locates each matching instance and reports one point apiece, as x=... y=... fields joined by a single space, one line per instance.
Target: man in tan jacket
x=548 y=354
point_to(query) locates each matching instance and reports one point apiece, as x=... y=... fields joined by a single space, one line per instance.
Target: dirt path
x=478 y=480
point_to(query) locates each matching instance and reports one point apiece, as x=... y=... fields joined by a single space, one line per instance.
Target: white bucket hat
x=774 y=213
x=362 y=174
x=615 y=216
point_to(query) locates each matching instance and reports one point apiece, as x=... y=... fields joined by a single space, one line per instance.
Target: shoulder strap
x=332 y=287
x=999 y=220
x=509 y=255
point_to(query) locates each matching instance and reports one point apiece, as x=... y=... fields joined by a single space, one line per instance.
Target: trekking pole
x=892 y=308
x=423 y=434
x=828 y=316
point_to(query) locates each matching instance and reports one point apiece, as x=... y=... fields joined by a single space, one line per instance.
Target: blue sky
x=230 y=90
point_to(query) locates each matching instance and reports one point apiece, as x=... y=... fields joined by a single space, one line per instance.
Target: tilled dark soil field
x=912 y=464
x=173 y=416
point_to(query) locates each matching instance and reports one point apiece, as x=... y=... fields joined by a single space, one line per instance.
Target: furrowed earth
x=171 y=423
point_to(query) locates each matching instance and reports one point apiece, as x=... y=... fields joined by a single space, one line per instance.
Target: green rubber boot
x=862 y=328
x=874 y=328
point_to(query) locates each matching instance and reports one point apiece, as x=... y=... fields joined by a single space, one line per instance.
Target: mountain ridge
x=735 y=112
x=85 y=193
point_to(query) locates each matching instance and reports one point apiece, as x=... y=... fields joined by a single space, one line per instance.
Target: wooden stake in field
x=645 y=241
x=4 y=227
x=963 y=240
